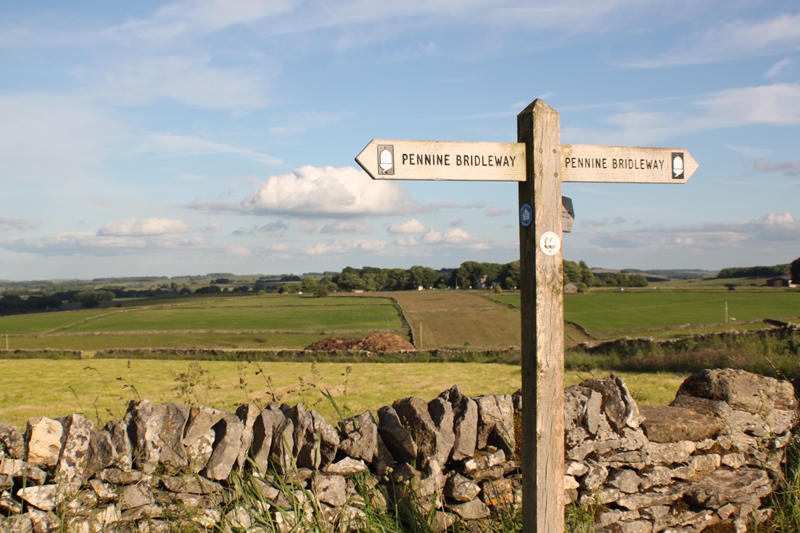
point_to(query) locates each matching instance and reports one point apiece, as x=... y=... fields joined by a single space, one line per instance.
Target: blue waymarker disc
x=525 y=215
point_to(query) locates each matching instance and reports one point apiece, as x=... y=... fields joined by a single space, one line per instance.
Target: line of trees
x=469 y=275
x=754 y=272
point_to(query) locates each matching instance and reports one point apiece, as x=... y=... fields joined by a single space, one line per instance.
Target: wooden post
x=542 y=300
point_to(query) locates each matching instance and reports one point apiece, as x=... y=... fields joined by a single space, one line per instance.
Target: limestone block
x=741 y=390
x=43 y=441
x=43 y=497
x=199 y=435
x=360 y=437
x=226 y=447
x=461 y=489
x=495 y=422
x=12 y=442
x=396 y=437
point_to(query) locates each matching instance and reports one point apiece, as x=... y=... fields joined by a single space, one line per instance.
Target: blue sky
x=197 y=136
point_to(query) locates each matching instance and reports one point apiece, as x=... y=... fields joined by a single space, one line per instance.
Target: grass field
x=101 y=388
x=274 y=322
x=603 y=312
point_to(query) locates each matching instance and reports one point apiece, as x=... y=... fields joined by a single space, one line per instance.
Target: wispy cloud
x=733 y=40
x=191 y=17
x=94 y=244
x=788 y=169
x=170 y=145
x=773 y=229
x=776 y=104
x=184 y=79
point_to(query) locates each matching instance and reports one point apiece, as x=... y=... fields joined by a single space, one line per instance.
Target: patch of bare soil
x=379 y=342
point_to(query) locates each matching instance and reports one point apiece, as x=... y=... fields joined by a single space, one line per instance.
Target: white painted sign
x=443 y=160
x=550 y=243
x=625 y=164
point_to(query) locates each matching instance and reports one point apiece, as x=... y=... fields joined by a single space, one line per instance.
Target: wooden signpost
x=540 y=163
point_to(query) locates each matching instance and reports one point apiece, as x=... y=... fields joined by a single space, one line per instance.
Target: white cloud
x=496 y=212
x=343 y=247
x=327 y=191
x=763 y=234
x=450 y=238
x=340 y=227
x=170 y=145
x=7 y=224
x=143 y=226
x=409 y=226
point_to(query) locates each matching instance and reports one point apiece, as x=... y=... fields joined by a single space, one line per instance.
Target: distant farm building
x=571 y=288
x=781 y=281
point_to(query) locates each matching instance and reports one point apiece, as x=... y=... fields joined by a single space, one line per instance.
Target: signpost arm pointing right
x=542 y=302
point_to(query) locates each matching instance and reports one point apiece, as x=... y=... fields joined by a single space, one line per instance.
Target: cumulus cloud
x=143 y=226
x=327 y=191
x=409 y=226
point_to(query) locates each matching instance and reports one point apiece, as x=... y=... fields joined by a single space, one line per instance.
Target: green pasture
x=101 y=388
x=259 y=340
x=245 y=313
x=652 y=308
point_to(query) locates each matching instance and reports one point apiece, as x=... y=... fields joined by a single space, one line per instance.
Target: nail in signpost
x=540 y=163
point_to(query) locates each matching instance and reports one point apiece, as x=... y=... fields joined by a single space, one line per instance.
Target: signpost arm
x=542 y=299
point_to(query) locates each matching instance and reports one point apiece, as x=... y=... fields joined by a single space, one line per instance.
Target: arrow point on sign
x=365 y=162
x=689 y=165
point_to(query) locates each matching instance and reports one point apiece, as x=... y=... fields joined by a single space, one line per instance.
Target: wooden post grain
x=542 y=288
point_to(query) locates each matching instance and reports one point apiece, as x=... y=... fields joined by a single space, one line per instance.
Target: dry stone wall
x=707 y=462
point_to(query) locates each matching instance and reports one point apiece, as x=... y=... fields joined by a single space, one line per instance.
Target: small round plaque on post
x=525 y=215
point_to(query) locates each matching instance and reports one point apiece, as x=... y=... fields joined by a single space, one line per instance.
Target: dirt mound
x=379 y=342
